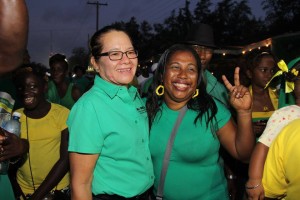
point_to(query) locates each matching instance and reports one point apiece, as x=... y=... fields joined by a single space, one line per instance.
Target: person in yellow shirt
x=44 y=173
x=281 y=178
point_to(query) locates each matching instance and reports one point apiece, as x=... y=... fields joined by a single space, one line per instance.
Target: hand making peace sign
x=240 y=97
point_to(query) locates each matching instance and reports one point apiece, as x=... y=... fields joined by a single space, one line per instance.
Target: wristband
x=252 y=187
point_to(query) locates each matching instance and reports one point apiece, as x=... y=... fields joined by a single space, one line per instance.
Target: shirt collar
x=113 y=90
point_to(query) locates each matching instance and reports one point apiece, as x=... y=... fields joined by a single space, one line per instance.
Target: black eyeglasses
x=118 y=55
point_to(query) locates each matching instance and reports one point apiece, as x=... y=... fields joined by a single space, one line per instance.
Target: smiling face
x=31 y=91
x=180 y=79
x=119 y=72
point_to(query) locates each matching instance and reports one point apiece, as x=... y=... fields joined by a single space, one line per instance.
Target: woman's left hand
x=240 y=97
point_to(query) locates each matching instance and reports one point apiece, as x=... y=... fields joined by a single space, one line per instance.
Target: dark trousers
x=145 y=196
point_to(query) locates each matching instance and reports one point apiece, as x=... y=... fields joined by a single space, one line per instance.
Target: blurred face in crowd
x=205 y=54
x=119 y=64
x=58 y=71
x=180 y=78
x=262 y=73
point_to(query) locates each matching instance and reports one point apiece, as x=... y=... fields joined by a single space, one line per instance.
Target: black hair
x=79 y=68
x=254 y=57
x=251 y=60
x=38 y=69
x=203 y=103
x=96 y=45
x=59 y=58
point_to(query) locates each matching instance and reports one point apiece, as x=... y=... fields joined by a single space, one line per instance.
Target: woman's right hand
x=257 y=193
x=239 y=95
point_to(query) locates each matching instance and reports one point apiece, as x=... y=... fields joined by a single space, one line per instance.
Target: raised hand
x=240 y=97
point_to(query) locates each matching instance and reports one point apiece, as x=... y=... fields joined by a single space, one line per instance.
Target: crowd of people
x=177 y=133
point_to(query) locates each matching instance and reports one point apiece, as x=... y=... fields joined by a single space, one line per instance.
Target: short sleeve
x=84 y=128
x=62 y=118
x=279 y=119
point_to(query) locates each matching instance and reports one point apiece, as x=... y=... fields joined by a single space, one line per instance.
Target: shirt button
x=136 y=121
x=143 y=140
x=147 y=158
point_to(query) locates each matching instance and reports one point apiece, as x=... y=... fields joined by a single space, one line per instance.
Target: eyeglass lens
x=118 y=55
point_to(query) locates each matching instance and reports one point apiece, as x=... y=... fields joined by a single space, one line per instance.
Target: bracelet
x=231 y=177
x=252 y=187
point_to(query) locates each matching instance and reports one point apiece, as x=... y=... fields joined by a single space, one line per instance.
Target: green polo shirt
x=111 y=120
x=215 y=88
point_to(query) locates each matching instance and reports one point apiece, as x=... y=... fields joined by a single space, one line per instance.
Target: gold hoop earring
x=162 y=90
x=196 y=93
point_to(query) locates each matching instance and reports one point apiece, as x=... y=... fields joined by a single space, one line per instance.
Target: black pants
x=145 y=196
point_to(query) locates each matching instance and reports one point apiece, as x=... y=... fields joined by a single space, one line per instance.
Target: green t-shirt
x=194 y=171
x=111 y=120
x=6 y=191
x=53 y=96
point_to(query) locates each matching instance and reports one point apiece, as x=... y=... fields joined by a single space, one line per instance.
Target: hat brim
x=201 y=44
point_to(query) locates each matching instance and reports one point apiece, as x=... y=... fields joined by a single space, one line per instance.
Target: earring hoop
x=196 y=93
x=160 y=87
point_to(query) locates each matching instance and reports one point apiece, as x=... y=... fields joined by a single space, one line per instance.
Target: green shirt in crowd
x=194 y=171
x=111 y=120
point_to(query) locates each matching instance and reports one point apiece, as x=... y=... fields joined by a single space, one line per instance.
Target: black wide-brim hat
x=202 y=35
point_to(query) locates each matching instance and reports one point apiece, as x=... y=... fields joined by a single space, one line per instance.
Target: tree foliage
x=79 y=57
x=232 y=20
x=282 y=15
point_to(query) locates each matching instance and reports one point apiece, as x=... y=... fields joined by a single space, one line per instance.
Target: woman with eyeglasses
x=109 y=152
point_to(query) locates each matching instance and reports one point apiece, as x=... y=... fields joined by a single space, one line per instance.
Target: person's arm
x=57 y=172
x=238 y=139
x=13 y=34
x=82 y=168
x=256 y=168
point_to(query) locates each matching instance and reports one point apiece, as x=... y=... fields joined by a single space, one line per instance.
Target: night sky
x=58 y=26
